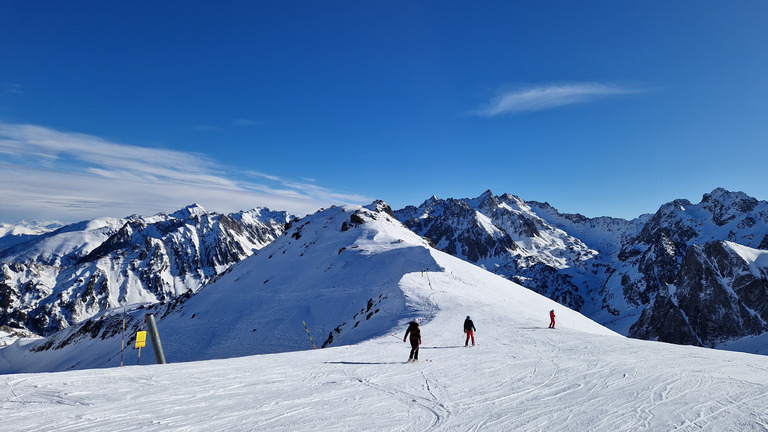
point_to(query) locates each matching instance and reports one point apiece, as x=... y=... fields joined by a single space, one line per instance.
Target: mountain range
x=351 y=279
x=60 y=278
x=338 y=277
x=688 y=274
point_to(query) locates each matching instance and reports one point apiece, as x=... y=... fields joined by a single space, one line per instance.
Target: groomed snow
x=521 y=376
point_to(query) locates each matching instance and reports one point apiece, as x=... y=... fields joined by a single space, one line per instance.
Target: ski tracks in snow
x=420 y=399
x=553 y=382
x=517 y=378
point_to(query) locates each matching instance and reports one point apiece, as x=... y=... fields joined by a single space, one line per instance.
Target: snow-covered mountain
x=503 y=235
x=60 y=278
x=350 y=273
x=356 y=274
x=13 y=234
x=673 y=276
x=624 y=274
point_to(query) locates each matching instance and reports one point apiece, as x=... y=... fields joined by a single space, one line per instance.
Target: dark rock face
x=726 y=206
x=52 y=282
x=458 y=232
x=718 y=295
x=664 y=322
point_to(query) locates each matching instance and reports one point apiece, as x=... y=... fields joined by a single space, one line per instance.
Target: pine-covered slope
x=627 y=275
x=60 y=278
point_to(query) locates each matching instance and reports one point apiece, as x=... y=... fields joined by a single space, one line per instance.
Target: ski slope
x=521 y=376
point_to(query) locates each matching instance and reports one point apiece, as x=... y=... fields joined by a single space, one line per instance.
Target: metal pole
x=157 y=347
x=122 y=348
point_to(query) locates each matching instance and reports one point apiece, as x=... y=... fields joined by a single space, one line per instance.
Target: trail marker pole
x=310 y=336
x=122 y=347
x=428 y=281
x=141 y=339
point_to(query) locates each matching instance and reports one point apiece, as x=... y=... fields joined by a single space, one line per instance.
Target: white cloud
x=245 y=122
x=48 y=174
x=548 y=96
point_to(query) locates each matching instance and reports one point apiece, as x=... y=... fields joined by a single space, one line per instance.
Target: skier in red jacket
x=552 y=318
x=469 y=329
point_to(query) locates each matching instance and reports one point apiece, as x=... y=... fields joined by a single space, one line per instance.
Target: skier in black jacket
x=415 y=332
x=469 y=329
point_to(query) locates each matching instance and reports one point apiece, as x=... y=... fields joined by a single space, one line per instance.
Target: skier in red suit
x=552 y=318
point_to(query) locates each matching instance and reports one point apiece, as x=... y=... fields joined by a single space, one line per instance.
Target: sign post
x=141 y=342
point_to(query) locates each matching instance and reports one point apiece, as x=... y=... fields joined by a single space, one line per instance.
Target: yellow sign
x=141 y=339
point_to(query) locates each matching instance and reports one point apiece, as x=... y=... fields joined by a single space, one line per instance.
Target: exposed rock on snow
x=60 y=278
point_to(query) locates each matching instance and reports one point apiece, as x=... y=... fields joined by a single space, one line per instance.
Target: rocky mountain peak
x=727 y=206
x=381 y=207
x=189 y=211
x=487 y=196
x=724 y=195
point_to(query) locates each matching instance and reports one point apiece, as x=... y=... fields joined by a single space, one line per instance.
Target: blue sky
x=606 y=108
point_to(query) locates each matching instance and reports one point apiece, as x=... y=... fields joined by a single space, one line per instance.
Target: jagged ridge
x=68 y=275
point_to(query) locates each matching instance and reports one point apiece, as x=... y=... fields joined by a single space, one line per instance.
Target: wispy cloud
x=245 y=122
x=238 y=122
x=207 y=127
x=12 y=88
x=49 y=174
x=537 y=98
